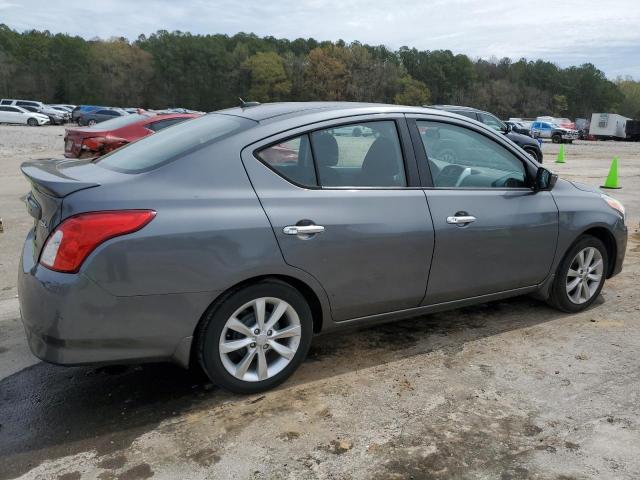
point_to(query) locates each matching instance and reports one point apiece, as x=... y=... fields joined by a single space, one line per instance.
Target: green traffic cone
x=612 y=178
x=560 y=157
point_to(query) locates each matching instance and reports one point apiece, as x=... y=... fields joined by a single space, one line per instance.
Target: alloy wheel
x=260 y=339
x=584 y=275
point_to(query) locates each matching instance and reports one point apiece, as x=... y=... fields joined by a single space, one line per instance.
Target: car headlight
x=615 y=204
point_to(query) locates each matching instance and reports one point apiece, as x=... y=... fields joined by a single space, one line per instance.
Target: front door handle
x=461 y=219
x=303 y=229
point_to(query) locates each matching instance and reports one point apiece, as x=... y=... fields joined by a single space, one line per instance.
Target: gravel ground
x=508 y=390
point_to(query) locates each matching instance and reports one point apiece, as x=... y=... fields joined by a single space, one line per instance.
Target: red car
x=102 y=138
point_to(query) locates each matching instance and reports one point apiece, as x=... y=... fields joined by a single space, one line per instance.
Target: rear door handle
x=303 y=229
x=461 y=219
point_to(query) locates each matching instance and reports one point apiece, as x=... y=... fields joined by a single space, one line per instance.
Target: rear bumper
x=71 y=320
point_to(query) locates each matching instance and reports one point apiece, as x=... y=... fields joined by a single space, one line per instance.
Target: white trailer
x=608 y=126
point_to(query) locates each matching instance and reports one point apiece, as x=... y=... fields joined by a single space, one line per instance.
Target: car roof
x=269 y=111
x=460 y=108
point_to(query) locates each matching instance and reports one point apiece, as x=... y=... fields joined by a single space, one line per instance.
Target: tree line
x=209 y=72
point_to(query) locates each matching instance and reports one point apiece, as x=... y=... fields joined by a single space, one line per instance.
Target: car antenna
x=244 y=104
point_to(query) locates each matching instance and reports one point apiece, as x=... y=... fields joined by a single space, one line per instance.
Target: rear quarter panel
x=210 y=231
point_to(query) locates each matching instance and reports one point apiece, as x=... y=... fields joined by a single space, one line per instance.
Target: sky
x=568 y=32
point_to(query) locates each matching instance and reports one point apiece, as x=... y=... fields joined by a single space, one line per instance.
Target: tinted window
x=160 y=124
x=107 y=112
x=459 y=157
x=6 y=102
x=6 y=109
x=119 y=122
x=171 y=143
x=292 y=159
x=466 y=113
x=360 y=154
x=491 y=121
x=24 y=104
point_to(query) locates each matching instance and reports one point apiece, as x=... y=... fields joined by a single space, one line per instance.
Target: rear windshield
x=170 y=143
x=118 y=122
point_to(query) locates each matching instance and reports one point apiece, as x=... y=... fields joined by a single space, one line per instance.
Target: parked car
x=519 y=127
x=21 y=103
x=112 y=134
x=523 y=141
x=55 y=117
x=565 y=123
x=67 y=106
x=80 y=110
x=194 y=245
x=11 y=114
x=556 y=133
x=99 y=115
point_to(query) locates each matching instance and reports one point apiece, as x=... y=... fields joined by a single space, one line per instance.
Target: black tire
x=533 y=153
x=556 y=138
x=212 y=326
x=559 y=297
x=32 y=122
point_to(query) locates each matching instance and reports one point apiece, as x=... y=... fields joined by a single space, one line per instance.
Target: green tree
x=414 y=92
x=268 y=78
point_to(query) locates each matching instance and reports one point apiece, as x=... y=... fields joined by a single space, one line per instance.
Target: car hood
x=521 y=139
x=584 y=187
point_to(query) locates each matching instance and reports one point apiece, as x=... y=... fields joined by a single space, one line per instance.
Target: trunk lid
x=52 y=181
x=73 y=140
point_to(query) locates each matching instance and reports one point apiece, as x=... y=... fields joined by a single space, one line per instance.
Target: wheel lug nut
x=270 y=332
x=266 y=347
x=253 y=345
x=257 y=331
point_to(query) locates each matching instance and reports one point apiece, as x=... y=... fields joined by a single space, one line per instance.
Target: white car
x=13 y=114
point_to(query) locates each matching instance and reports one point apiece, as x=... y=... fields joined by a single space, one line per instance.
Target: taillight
x=75 y=238
x=93 y=144
x=103 y=144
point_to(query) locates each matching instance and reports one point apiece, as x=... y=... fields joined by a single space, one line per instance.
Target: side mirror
x=545 y=180
x=507 y=128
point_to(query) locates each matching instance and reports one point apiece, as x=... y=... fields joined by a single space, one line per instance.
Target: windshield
x=170 y=143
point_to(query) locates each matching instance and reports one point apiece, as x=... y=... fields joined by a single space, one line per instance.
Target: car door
x=493 y=233
x=14 y=115
x=346 y=206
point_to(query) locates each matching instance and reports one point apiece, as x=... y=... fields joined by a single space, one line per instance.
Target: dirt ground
x=506 y=390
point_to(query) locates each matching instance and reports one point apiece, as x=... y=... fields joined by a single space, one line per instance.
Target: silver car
x=228 y=241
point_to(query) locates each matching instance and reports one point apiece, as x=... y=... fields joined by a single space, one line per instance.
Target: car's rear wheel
x=256 y=337
x=580 y=276
x=32 y=122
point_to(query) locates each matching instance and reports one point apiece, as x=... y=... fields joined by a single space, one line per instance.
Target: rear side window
x=364 y=154
x=160 y=124
x=293 y=160
x=155 y=150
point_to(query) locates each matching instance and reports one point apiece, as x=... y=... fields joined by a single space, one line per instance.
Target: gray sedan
x=225 y=243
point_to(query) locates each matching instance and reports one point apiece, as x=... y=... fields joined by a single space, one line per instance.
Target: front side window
x=292 y=159
x=364 y=154
x=462 y=158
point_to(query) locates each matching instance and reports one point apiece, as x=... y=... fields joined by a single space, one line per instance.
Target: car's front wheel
x=580 y=276
x=533 y=153
x=256 y=337
x=32 y=122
